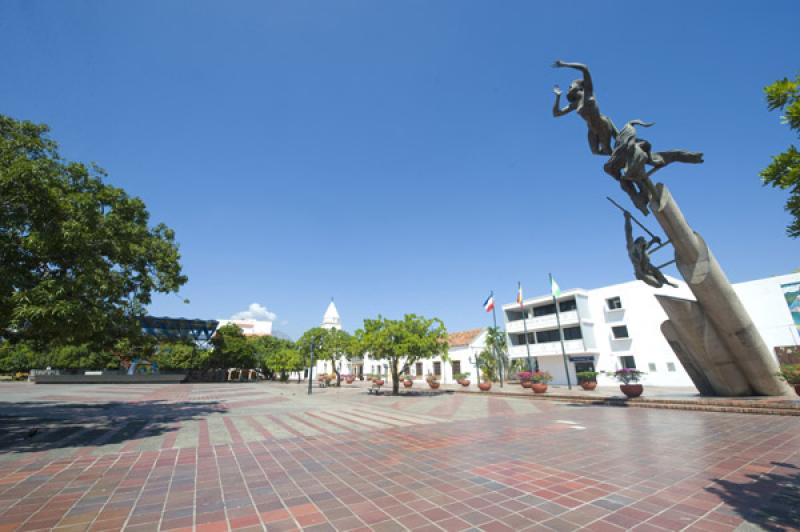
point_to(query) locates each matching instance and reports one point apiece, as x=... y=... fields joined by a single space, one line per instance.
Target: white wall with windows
x=618 y=326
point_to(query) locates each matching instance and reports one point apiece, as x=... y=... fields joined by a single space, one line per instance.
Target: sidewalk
x=654 y=397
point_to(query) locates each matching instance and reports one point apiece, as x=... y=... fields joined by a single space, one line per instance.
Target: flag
x=554 y=289
x=519 y=294
x=488 y=305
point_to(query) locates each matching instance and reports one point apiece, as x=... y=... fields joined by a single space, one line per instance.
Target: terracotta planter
x=379 y=382
x=349 y=380
x=588 y=385
x=539 y=387
x=485 y=386
x=408 y=384
x=632 y=390
x=465 y=383
x=434 y=385
x=526 y=384
x=797 y=388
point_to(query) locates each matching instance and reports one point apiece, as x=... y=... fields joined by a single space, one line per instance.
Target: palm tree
x=497 y=342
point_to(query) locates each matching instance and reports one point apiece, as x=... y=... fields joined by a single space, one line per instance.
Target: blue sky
x=401 y=156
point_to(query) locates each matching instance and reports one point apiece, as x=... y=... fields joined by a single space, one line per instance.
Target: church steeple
x=331 y=318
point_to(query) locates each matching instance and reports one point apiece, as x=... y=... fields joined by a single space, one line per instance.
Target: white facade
x=619 y=326
x=251 y=327
x=463 y=349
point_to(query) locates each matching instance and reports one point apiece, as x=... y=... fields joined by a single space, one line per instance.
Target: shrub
x=587 y=376
x=626 y=375
x=790 y=373
x=541 y=377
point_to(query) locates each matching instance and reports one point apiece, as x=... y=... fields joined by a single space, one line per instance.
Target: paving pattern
x=209 y=457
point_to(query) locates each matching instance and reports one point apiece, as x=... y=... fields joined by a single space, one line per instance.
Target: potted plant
x=587 y=380
x=629 y=381
x=407 y=382
x=462 y=379
x=539 y=380
x=791 y=374
x=349 y=378
x=525 y=378
x=433 y=381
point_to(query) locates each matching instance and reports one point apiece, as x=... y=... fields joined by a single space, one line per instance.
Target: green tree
x=487 y=363
x=278 y=356
x=232 y=349
x=784 y=170
x=402 y=342
x=179 y=355
x=497 y=342
x=318 y=337
x=285 y=359
x=78 y=259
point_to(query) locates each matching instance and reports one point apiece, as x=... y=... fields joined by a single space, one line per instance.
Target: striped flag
x=519 y=294
x=488 y=305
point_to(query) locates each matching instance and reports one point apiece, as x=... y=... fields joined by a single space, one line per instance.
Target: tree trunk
x=338 y=376
x=395 y=381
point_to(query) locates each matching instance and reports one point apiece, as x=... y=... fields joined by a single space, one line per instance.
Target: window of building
x=670 y=366
x=614 y=303
x=620 y=331
x=543 y=337
x=572 y=333
x=456 y=366
x=627 y=362
x=437 y=368
x=419 y=368
x=544 y=310
x=568 y=305
x=651 y=366
x=514 y=315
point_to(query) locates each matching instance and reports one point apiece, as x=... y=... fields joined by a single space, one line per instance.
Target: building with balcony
x=618 y=326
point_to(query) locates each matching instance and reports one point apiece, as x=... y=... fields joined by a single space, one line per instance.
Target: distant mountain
x=280 y=334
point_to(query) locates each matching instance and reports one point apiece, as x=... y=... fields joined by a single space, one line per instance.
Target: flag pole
x=560 y=333
x=525 y=327
x=494 y=346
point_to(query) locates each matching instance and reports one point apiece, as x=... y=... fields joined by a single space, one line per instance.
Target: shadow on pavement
x=771 y=501
x=42 y=426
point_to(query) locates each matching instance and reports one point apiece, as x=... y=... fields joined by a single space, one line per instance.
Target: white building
x=618 y=326
x=251 y=327
x=463 y=348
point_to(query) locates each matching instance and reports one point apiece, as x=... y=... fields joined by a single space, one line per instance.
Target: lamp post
x=311 y=367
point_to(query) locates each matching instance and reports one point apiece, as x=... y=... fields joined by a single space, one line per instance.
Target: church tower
x=331 y=319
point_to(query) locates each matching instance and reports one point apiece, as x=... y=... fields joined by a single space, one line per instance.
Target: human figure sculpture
x=581 y=99
x=638 y=251
x=630 y=158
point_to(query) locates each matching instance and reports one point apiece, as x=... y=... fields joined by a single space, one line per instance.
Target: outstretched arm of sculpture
x=557 y=109
x=588 y=87
x=628 y=230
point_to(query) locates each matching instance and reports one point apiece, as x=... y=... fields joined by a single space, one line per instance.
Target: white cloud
x=255 y=311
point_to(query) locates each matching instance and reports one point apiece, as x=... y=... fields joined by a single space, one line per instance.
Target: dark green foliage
x=78 y=259
x=402 y=341
x=232 y=349
x=784 y=171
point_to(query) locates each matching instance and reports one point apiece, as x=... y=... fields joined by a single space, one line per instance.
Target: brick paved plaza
x=255 y=456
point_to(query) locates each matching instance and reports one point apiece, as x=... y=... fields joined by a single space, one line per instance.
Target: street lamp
x=311 y=364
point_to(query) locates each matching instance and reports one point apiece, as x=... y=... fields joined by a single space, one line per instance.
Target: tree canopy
x=784 y=170
x=232 y=349
x=402 y=341
x=329 y=345
x=78 y=258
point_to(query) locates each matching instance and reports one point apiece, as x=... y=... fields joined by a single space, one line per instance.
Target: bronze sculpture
x=582 y=100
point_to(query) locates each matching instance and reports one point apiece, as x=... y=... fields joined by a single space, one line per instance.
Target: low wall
x=169 y=378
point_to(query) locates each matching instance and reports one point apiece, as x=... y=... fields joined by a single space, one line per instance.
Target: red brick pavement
x=564 y=468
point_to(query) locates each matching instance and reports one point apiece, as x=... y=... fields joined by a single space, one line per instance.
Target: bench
x=375 y=388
